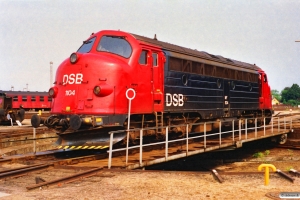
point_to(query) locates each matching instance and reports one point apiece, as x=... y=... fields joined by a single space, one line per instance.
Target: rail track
x=47 y=162
x=59 y=171
x=24 y=136
x=29 y=170
x=59 y=167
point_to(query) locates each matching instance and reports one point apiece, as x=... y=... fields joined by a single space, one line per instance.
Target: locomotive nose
x=85 y=84
x=84 y=100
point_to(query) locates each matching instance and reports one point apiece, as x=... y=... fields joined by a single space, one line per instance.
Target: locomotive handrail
x=274 y=121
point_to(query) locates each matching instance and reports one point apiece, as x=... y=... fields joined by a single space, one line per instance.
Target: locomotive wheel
x=75 y=122
x=282 y=139
x=35 y=120
x=268 y=115
x=268 y=119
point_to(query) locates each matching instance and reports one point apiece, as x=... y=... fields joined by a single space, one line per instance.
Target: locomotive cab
x=265 y=99
x=90 y=87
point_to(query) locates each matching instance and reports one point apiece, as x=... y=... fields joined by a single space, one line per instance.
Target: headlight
x=52 y=92
x=103 y=90
x=97 y=90
x=73 y=58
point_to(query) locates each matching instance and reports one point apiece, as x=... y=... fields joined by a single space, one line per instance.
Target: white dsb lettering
x=175 y=99
x=73 y=78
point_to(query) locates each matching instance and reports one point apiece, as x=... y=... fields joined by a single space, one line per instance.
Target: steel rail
x=297 y=147
x=19 y=168
x=295 y=172
x=23 y=170
x=27 y=169
x=285 y=175
x=217 y=175
x=66 y=179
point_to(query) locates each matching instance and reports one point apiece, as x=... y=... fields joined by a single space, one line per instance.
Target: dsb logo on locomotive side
x=73 y=78
x=175 y=99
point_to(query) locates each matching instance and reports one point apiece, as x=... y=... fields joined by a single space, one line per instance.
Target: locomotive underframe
x=82 y=129
x=173 y=119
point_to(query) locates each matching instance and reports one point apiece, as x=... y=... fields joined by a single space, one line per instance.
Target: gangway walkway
x=143 y=155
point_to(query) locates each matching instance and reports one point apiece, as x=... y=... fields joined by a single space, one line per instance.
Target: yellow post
x=40 y=113
x=267 y=170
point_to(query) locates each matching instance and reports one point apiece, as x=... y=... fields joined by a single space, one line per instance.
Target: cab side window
x=265 y=79
x=154 y=56
x=143 y=57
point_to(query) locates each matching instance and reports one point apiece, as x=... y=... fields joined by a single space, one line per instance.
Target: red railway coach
x=9 y=115
x=29 y=100
x=172 y=84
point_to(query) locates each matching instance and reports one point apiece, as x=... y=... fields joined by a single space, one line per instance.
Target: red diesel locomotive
x=172 y=85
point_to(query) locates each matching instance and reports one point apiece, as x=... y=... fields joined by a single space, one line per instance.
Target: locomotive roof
x=195 y=53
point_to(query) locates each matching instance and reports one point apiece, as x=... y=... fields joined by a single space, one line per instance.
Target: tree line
x=289 y=95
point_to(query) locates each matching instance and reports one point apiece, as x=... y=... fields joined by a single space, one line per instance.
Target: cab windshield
x=116 y=45
x=87 y=46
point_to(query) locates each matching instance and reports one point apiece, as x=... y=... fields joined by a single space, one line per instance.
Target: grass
x=261 y=154
x=258 y=155
x=288 y=168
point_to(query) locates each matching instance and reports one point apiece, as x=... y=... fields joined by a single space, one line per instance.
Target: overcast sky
x=33 y=33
